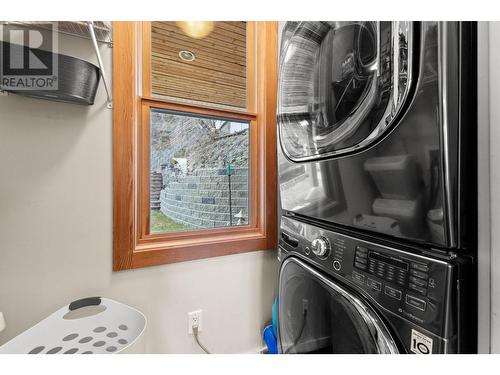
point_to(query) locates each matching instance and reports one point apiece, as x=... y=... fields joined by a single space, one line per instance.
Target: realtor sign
x=28 y=57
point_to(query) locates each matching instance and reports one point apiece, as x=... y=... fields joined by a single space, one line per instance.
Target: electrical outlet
x=194 y=320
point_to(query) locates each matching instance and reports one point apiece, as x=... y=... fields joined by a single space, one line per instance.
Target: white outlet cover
x=193 y=315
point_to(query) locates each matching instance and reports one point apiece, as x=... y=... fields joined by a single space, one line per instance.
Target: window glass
x=200 y=61
x=199 y=172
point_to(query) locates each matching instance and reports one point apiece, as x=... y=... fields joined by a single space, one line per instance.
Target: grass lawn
x=161 y=223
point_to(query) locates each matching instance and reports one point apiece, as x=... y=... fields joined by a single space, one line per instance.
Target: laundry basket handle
x=83 y=302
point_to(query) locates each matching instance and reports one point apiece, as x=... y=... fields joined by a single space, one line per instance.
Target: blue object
x=270 y=333
x=275 y=317
x=270 y=340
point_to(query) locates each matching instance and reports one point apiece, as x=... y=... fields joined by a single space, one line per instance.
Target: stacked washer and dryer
x=377 y=174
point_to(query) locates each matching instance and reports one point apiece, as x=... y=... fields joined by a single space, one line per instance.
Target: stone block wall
x=201 y=200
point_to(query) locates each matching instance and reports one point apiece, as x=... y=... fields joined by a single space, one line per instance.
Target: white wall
x=484 y=218
x=489 y=187
x=56 y=235
x=494 y=100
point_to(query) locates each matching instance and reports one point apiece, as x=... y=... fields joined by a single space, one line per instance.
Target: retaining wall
x=201 y=200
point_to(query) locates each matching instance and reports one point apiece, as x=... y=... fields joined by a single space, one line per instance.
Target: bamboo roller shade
x=218 y=73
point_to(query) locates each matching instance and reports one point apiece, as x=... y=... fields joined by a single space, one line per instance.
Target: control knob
x=320 y=247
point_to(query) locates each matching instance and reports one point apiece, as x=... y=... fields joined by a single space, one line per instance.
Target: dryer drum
x=336 y=85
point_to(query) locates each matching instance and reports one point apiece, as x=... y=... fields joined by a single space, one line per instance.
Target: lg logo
x=28 y=59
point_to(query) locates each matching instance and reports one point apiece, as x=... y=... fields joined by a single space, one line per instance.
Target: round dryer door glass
x=336 y=91
x=319 y=316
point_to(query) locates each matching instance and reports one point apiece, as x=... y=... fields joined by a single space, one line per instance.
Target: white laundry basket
x=87 y=326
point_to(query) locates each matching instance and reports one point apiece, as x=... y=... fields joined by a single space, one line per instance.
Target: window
x=194 y=140
x=199 y=171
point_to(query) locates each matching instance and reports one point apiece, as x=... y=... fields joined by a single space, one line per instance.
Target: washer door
x=341 y=85
x=317 y=315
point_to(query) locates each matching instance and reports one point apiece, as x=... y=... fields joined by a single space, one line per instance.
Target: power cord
x=195 y=333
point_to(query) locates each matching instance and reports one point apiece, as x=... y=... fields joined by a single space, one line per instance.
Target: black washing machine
x=378 y=187
x=342 y=294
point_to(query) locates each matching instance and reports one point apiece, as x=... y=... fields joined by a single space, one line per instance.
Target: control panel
x=412 y=286
x=412 y=275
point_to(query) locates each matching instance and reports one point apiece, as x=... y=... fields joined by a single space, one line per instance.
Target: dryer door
x=341 y=85
x=317 y=315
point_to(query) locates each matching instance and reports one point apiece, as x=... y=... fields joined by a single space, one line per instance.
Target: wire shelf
x=102 y=29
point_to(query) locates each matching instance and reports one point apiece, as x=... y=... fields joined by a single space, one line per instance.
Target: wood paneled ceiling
x=216 y=76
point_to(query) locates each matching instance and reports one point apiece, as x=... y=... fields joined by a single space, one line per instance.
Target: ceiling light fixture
x=187 y=55
x=196 y=29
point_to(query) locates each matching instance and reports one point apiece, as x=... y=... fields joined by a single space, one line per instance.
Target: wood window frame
x=133 y=245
